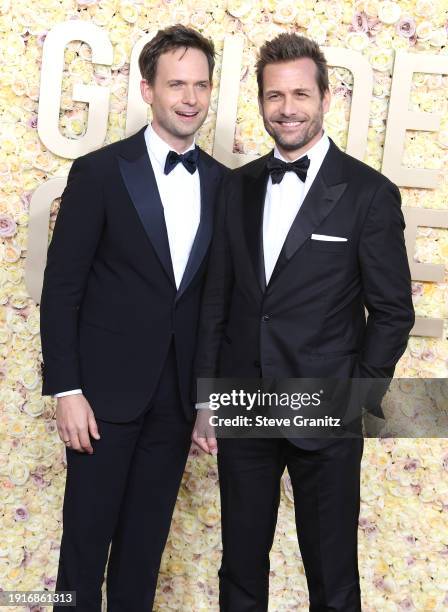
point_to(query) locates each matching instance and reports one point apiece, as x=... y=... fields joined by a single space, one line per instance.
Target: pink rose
x=374 y=25
x=8 y=226
x=359 y=22
x=21 y=514
x=406 y=27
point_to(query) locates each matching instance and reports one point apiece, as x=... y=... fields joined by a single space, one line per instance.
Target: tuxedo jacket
x=110 y=307
x=309 y=321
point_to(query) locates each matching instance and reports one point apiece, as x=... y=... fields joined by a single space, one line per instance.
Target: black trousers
x=325 y=484
x=124 y=495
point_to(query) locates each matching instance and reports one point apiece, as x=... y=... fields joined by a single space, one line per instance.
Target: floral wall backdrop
x=403 y=551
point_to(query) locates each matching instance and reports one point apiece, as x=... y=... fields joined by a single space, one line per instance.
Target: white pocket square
x=329 y=238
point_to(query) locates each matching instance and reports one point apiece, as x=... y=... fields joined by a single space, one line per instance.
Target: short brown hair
x=171 y=38
x=286 y=47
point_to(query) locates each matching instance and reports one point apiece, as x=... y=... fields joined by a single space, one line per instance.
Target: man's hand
x=204 y=433
x=75 y=420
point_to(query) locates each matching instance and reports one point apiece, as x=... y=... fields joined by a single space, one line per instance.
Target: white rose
x=357 y=41
x=389 y=12
x=424 y=30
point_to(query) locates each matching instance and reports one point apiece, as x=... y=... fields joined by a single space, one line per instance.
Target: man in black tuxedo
x=119 y=312
x=306 y=237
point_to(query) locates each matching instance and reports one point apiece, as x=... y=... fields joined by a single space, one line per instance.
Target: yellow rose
x=424 y=30
x=239 y=8
x=11 y=253
x=285 y=12
x=199 y=20
x=399 y=43
x=189 y=524
x=120 y=33
x=16 y=428
x=176 y=567
x=438 y=38
x=317 y=31
x=18 y=472
x=13 y=46
x=425 y=8
x=15 y=574
x=384 y=40
x=370 y=7
x=218 y=15
x=381 y=59
x=120 y=57
x=103 y=15
x=9 y=144
x=19 y=298
x=32 y=322
x=129 y=12
x=30 y=378
x=69 y=55
x=34 y=409
x=208 y=515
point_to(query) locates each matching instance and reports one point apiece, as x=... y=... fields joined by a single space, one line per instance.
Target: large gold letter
x=51 y=83
x=400 y=119
x=36 y=255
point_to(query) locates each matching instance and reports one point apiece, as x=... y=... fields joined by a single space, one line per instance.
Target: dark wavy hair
x=286 y=47
x=173 y=37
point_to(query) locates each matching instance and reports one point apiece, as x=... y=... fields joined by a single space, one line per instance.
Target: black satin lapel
x=138 y=176
x=208 y=182
x=318 y=203
x=253 y=207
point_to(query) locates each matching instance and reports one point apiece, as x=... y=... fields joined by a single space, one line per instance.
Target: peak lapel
x=208 y=178
x=322 y=197
x=254 y=193
x=139 y=179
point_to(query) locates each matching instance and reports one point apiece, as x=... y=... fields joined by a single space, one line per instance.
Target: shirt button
x=266 y=317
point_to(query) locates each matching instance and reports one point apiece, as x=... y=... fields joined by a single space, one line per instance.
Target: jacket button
x=257 y=364
x=266 y=318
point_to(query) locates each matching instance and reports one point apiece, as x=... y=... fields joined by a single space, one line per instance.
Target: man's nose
x=288 y=107
x=189 y=95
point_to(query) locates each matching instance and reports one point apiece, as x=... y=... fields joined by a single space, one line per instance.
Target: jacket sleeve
x=75 y=238
x=387 y=292
x=217 y=292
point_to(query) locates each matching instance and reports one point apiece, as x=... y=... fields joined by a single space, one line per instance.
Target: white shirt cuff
x=202 y=406
x=72 y=392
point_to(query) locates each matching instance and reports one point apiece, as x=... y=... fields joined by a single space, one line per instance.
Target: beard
x=301 y=140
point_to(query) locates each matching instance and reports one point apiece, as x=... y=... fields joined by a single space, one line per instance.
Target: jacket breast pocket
x=329 y=246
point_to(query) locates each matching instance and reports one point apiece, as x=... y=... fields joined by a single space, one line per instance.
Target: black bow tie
x=277 y=168
x=189 y=160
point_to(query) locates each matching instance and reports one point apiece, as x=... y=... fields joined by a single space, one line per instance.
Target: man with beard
x=119 y=312
x=306 y=238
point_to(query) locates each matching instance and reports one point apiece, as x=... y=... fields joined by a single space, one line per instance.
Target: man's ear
x=146 y=91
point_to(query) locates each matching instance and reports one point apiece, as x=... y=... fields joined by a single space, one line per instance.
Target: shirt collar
x=158 y=147
x=318 y=150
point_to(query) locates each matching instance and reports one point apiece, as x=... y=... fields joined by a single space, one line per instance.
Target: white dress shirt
x=283 y=201
x=181 y=199
x=180 y=194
